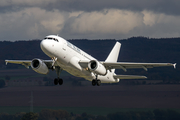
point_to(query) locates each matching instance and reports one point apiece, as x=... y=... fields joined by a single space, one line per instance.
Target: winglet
x=174 y=65
x=6 y=62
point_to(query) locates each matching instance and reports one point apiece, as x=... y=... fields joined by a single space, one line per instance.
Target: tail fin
x=114 y=54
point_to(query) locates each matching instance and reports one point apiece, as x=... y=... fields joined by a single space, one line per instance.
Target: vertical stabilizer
x=113 y=56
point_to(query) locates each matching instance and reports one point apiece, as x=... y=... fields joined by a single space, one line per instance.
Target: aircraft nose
x=47 y=47
x=44 y=44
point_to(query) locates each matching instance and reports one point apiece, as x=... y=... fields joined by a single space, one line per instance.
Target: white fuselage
x=68 y=57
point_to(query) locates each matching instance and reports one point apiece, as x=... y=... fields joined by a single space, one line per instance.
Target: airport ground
x=81 y=98
x=91 y=99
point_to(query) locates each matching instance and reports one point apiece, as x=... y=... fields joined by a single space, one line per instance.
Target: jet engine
x=97 y=67
x=39 y=66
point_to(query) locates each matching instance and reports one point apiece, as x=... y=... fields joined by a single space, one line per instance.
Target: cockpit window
x=49 y=38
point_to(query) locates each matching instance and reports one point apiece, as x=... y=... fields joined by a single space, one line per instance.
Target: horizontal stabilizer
x=129 y=77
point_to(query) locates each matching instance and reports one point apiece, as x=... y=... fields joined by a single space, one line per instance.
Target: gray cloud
x=115 y=23
x=92 y=19
x=161 y=6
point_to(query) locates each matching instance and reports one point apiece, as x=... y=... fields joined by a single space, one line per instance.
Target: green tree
x=144 y=82
x=160 y=114
x=18 y=116
x=2 y=83
x=5 y=116
x=101 y=118
x=30 y=116
x=7 y=77
x=85 y=116
x=173 y=115
x=117 y=116
x=47 y=114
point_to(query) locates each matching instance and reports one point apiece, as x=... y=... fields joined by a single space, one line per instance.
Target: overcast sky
x=91 y=19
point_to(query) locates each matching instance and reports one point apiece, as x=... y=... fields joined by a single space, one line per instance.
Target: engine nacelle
x=97 y=67
x=39 y=66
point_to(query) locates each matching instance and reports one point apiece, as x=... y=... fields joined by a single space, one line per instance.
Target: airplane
x=68 y=57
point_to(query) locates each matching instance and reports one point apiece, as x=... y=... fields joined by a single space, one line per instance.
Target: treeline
x=48 y=114
x=135 y=49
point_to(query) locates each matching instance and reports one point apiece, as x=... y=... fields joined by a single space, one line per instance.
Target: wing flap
x=18 y=61
x=128 y=65
x=27 y=63
x=129 y=77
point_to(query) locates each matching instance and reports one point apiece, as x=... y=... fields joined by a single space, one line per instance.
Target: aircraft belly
x=75 y=72
x=108 y=78
x=78 y=73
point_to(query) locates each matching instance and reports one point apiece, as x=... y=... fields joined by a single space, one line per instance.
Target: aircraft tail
x=114 y=54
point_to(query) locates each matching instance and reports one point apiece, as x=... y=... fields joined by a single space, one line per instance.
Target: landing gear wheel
x=56 y=81
x=98 y=82
x=58 y=71
x=60 y=81
x=94 y=82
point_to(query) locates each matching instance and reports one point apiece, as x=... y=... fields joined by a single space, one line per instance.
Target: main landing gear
x=58 y=80
x=58 y=71
x=96 y=82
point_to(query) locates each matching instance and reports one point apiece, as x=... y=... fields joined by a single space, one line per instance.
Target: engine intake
x=97 y=67
x=39 y=66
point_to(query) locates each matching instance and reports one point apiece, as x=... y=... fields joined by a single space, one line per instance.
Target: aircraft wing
x=27 y=63
x=129 y=77
x=128 y=65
